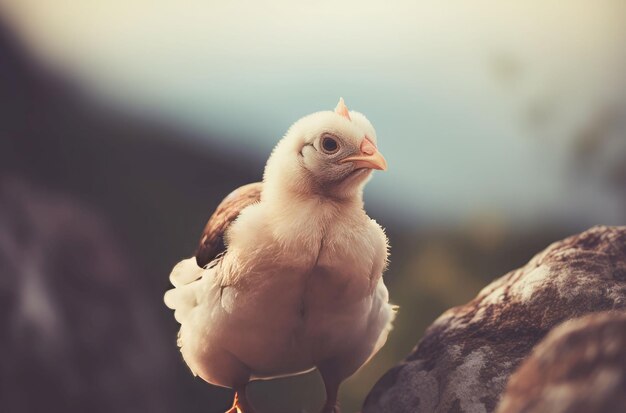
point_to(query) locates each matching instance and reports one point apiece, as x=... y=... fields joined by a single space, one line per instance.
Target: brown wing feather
x=212 y=240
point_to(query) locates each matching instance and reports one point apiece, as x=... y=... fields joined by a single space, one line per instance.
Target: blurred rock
x=466 y=356
x=78 y=334
x=103 y=202
x=580 y=367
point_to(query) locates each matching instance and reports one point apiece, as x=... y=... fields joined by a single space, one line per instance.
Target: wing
x=212 y=240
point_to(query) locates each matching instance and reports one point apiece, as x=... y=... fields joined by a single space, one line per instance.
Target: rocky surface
x=467 y=355
x=78 y=333
x=580 y=367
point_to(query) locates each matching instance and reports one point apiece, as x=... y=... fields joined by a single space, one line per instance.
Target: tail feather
x=183 y=297
x=185 y=272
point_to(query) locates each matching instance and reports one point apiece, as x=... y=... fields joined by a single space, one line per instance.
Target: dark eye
x=329 y=145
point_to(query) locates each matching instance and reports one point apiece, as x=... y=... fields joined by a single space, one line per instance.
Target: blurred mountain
x=138 y=173
x=149 y=189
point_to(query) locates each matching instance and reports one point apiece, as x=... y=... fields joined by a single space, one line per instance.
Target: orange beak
x=368 y=158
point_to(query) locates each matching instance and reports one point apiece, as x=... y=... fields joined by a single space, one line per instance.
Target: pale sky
x=425 y=73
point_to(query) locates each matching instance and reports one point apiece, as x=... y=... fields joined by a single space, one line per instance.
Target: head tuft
x=342 y=110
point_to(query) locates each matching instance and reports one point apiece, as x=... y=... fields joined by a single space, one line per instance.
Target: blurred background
x=123 y=124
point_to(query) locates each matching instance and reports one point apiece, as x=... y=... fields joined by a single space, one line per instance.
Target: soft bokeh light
x=475 y=103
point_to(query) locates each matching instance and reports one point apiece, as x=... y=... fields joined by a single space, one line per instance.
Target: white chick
x=288 y=274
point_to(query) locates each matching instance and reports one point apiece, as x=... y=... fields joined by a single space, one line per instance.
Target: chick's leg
x=331 y=383
x=241 y=403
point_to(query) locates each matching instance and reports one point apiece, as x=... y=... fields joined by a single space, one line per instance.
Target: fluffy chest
x=307 y=233
x=310 y=286
x=341 y=274
x=317 y=251
x=339 y=252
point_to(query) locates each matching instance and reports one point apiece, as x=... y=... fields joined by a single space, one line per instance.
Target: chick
x=288 y=274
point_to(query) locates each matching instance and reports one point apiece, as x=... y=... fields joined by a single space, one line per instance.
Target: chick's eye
x=329 y=145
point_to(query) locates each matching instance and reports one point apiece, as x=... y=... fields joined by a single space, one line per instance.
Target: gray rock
x=580 y=367
x=466 y=356
x=78 y=332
